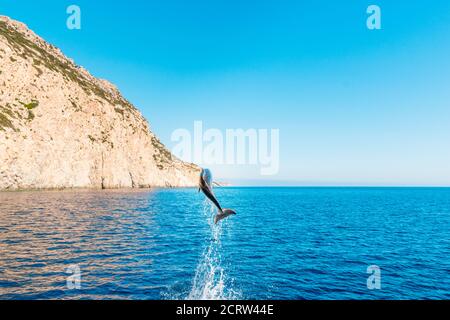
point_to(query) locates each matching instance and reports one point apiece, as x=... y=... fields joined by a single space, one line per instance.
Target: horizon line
x=340 y=186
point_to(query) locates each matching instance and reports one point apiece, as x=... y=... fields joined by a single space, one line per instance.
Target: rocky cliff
x=62 y=128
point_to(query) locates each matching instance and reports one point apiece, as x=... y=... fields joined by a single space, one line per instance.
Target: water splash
x=210 y=279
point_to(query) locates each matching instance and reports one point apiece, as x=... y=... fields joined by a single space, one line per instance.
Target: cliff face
x=62 y=128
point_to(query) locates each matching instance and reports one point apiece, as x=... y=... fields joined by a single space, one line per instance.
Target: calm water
x=284 y=243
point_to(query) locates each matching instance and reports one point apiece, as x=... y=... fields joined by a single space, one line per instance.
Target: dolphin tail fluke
x=223 y=214
x=217 y=218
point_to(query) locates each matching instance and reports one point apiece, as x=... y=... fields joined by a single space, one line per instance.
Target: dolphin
x=205 y=185
x=223 y=214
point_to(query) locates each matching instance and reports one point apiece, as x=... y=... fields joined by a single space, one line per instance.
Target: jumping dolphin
x=205 y=184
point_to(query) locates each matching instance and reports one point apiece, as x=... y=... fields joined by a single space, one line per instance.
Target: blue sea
x=284 y=243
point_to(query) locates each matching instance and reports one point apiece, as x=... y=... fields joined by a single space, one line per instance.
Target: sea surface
x=284 y=243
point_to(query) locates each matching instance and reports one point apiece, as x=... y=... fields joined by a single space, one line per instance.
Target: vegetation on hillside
x=42 y=58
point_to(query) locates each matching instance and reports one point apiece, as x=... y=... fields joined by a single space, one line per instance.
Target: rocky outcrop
x=62 y=128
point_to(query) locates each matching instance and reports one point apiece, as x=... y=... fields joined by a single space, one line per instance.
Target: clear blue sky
x=353 y=106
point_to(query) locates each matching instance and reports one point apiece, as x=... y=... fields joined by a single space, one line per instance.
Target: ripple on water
x=284 y=243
